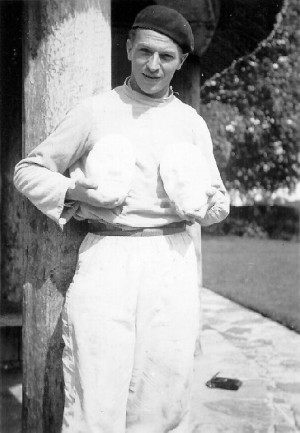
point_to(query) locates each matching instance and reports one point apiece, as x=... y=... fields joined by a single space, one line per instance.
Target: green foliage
x=253 y=111
x=259 y=221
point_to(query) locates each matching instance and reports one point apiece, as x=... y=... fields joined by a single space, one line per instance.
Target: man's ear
x=183 y=58
x=129 y=49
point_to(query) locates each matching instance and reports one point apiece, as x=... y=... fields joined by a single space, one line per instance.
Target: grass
x=262 y=275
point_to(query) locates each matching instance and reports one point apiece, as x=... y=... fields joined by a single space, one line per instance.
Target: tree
x=253 y=110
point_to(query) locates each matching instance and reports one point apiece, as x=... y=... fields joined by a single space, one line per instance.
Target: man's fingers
x=86 y=183
x=211 y=191
x=197 y=213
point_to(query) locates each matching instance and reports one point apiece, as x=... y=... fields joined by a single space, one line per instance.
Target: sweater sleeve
x=220 y=209
x=40 y=176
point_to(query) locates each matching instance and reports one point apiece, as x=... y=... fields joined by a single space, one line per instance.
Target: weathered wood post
x=203 y=17
x=67 y=46
x=188 y=84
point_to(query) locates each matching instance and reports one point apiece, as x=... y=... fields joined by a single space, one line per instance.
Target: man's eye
x=145 y=51
x=167 y=57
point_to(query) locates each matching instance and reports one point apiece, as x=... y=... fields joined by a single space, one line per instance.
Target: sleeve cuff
x=65 y=209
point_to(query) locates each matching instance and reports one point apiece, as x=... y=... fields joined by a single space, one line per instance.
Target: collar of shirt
x=140 y=97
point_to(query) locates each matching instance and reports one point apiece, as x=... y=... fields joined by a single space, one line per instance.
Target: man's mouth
x=151 y=77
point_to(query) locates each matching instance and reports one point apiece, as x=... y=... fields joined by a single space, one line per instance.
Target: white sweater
x=149 y=124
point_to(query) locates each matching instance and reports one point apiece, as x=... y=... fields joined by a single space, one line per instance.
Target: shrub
x=253 y=111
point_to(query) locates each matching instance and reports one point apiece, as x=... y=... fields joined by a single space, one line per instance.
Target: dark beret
x=168 y=22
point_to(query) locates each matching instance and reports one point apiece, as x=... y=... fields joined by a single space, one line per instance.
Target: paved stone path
x=263 y=354
x=237 y=343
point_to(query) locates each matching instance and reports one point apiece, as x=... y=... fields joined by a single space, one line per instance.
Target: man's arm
x=41 y=175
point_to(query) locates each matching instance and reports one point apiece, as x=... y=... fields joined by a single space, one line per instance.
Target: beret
x=168 y=22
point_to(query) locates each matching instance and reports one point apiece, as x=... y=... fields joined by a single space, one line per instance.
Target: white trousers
x=130 y=323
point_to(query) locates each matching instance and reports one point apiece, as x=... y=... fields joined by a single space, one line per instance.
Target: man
x=131 y=313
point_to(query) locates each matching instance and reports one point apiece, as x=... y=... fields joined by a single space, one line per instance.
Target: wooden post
x=67 y=46
x=187 y=83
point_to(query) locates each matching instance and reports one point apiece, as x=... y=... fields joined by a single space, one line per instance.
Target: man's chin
x=153 y=91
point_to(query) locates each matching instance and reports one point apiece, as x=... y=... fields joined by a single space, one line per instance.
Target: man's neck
x=133 y=85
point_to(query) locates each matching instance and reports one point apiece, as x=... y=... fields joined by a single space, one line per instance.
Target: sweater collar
x=144 y=99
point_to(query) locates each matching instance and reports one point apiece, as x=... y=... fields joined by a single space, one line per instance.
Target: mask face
x=154 y=59
x=111 y=165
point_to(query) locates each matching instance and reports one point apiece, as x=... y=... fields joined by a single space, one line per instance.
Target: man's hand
x=198 y=214
x=220 y=201
x=212 y=195
x=86 y=191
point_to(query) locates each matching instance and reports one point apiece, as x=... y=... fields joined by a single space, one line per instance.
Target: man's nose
x=154 y=62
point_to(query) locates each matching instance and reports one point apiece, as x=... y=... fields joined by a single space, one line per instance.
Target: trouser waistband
x=103 y=230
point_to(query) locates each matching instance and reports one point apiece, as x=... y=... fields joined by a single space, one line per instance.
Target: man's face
x=154 y=59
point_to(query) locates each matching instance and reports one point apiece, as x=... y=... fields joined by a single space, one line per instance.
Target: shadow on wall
x=243 y=25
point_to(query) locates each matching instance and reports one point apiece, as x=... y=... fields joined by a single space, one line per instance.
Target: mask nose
x=153 y=63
